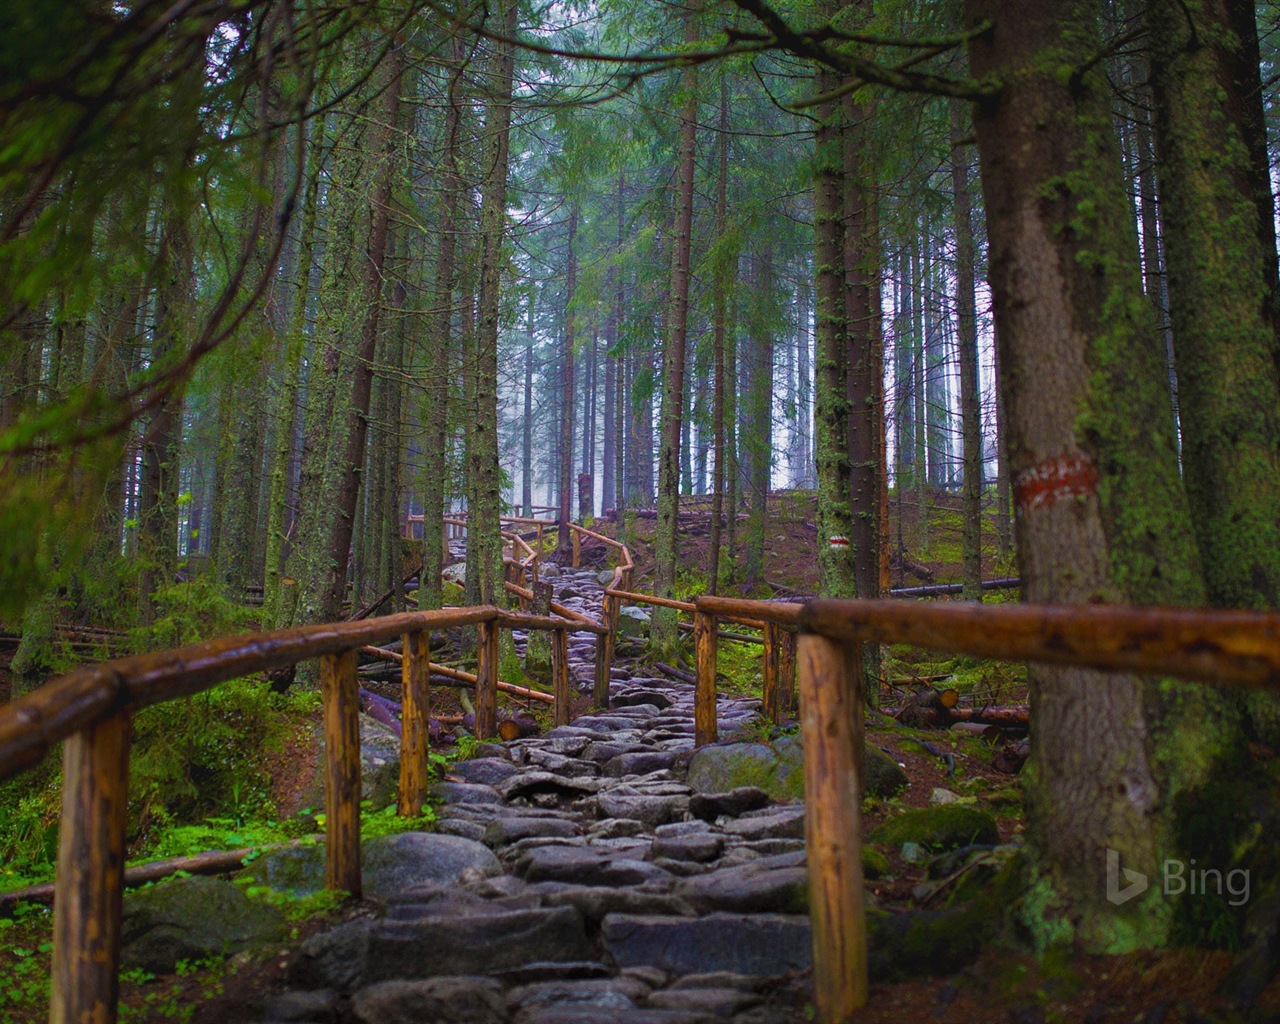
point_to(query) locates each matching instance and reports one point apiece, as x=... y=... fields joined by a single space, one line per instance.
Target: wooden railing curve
x=91 y=711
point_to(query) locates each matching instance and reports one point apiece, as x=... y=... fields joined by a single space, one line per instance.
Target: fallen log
x=1016 y=715
x=676 y=673
x=214 y=862
x=458 y=675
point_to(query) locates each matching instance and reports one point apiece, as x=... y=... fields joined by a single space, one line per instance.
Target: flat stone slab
x=749 y=889
x=785 y=823
x=757 y=944
x=503 y=831
x=597 y=902
x=465 y=793
x=484 y=771
x=529 y=783
x=460 y=1000
x=584 y=867
x=709 y=806
x=698 y=846
x=639 y=763
x=361 y=952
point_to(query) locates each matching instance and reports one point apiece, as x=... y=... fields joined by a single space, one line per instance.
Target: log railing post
x=772 y=696
x=415 y=716
x=89 y=893
x=339 y=690
x=786 y=672
x=704 y=697
x=606 y=645
x=577 y=548
x=831 y=723
x=487 y=681
x=560 y=674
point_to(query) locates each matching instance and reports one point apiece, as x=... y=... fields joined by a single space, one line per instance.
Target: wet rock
x=393 y=864
x=191 y=919
x=709 y=806
x=595 y=902
x=629 y=698
x=505 y=831
x=485 y=771
x=528 y=784
x=465 y=793
x=757 y=944
x=459 y=1000
x=650 y=809
x=309 y=1007
x=700 y=846
x=361 y=952
x=639 y=763
x=784 y=823
x=583 y=867
x=720 y=1002
x=748 y=889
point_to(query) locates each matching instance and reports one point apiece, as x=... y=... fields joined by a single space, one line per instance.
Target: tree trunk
x=484 y=531
x=831 y=360
x=666 y=540
x=719 y=319
x=970 y=396
x=162 y=438
x=564 y=538
x=1102 y=514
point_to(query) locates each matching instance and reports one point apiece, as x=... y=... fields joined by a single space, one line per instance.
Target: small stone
x=939 y=796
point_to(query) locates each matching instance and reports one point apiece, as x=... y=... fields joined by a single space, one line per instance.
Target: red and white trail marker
x=838 y=542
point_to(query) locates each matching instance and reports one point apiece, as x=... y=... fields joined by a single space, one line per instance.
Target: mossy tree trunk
x=967 y=332
x=837 y=577
x=485 y=475
x=1102 y=513
x=666 y=539
x=564 y=539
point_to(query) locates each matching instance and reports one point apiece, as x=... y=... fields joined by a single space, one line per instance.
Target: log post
x=339 y=691
x=560 y=674
x=577 y=548
x=772 y=697
x=704 y=697
x=786 y=672
x=831 y=724
x=415 y=715
x=606 y=644
x=88 y=900
x=487 y=681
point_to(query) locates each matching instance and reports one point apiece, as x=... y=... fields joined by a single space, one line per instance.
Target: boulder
x=392 y=864
x=778 y=769
x=634 y=621
x=748 y=889
x=483 y=771
x=191 y=919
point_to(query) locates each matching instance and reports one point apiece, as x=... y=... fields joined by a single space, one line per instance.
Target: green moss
x=874 y=863
x=948 y=827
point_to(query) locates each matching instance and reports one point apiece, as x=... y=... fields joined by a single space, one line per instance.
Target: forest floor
x=1003 y=984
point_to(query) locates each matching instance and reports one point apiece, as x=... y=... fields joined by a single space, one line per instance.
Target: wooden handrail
x=1224 y=647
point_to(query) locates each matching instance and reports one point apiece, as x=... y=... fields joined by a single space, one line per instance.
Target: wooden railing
x=90 y=711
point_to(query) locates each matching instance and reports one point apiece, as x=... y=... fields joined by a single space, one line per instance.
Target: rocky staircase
x=601 y=872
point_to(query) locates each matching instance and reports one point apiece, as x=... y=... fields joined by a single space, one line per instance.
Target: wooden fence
x=90 y=711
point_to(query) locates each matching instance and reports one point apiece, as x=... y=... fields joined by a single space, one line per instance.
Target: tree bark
x=1091 y=449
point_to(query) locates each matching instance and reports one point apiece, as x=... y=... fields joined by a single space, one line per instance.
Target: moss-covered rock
x=882 y=776
x=778 y=769
x=947 y=827
x=192 y=919
x=874 y=863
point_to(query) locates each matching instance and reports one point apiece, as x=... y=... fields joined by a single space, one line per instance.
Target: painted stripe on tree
x=1053 y=480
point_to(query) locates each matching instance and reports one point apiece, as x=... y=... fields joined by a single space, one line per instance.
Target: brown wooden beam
x=1223 y=647
x=339 y=692
x=89 y=891
x=831 y=723
x=704 y=695
x=415 y=715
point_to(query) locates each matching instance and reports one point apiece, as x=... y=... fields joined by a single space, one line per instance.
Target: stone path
x=602 y=872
